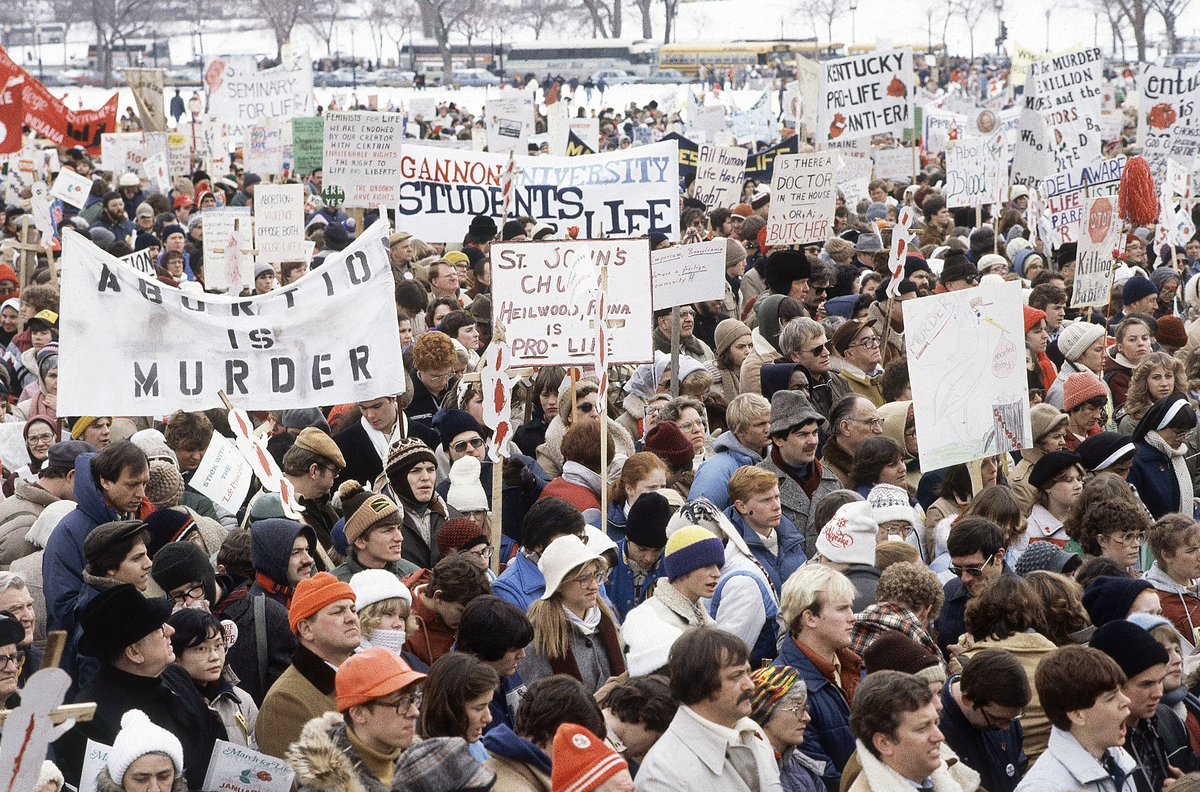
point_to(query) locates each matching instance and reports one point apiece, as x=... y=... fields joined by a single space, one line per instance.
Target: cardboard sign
x=531 y=296
x=496 y=387
x=239 y=768
x=220 y=224
x=1167 y=98
x=720 y=172
x=147 y=88
x=973 y=172
x=1060 y=120
x=1065 y=195
x=687 y=274
x=223 y=475
x=239 y=94
x=179 y=153
x=362 y=158
x=95 y=759
x=896 y=163
x=803 y=199
x=263 y=152
x=279 y=222
x=71 y=188
x=509 y=122
x=155 y=168
x=1094 y=262
x=308 y=144
x=865 y=95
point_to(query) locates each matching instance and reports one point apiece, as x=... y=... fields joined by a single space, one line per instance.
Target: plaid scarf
x=877 y=619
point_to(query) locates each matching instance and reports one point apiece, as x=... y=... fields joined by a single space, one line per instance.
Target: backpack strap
x=260 y=639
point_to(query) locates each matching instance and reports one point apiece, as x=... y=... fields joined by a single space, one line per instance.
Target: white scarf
x=1179 y=467
x=388 y=639
x=588 y=624
x=383 y=442
x=578 y=474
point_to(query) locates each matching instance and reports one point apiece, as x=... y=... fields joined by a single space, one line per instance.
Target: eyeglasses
x=191 y=595
x=1129 y=537
x=687 y=426
x=1000 y=724
x=795 y=709
x=461 y=445
x=585 y=407
x=10 y=659
x=41 y=439
x=439 y=377
x=404 y=703
x=591 y=577
x=815 y=351
x=976 y=571
x=870 y=342
x=483 y=551
x=874 y=423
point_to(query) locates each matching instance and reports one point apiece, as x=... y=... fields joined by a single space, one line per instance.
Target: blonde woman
x=1155 y=376
x=574 y=633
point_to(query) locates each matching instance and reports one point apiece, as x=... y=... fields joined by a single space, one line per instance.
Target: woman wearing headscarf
x=773 y=312
x=1160 y=473
x=40 y=433
x=44 y=401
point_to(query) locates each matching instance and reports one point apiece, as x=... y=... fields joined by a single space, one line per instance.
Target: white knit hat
x=466 y=493
x=138 y=737
x=1074 y=339
x=560 y=557
x=889 y=502
x=375 y=585
x=48 y=773
x=849 y=537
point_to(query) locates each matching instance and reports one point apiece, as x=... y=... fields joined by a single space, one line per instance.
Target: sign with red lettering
x=803 y=199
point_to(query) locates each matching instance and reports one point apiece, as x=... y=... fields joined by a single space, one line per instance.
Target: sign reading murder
x=1094 y=264
x=621 y=193
x=865 y=95
x=803 y=199
x=362 y=157
x=720 y=172
x=686 y=274
x=532 y=297
x=1060 y=120
x=974 y=176
x=239 y=94
x=279 y=222
x=330 y=337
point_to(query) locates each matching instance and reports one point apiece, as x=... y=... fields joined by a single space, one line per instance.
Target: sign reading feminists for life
x=531 y=295
x=803 y=199
x=331 y=337
x=362 y=159
x=865 y=95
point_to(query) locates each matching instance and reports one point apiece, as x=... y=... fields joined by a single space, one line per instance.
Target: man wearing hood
x=283 y=553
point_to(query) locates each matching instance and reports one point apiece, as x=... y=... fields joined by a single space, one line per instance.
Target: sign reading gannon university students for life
x=327 y=339
x=531 y=295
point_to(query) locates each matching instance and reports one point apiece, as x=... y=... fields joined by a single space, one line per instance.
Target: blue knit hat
x=1136 y=288
x=691 y=548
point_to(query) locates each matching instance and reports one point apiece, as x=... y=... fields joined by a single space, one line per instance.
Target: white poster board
x=362 y=158
x=1094 y=262
x=71 y=188
x=239 y=94
x=803 y=199
x=974 y=176
x=509 y=122
x=531 y=297
x=223 y=475
x=894 y=163
x=263 y=151
x=242 y=769
x=1065 y=195
x=141 y=260
x=865 y=95
x=95 y=759
x=688 y=273
x=720 y=172
x=966 y=363
x=1167 y=98
x=221 y=224
x=279 y=222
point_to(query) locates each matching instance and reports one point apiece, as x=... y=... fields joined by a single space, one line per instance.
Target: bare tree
x=605 y=16
x=1135 y=13
x=672 y=11
x=118 y=21
x=826 y=12
x=1170 y=11
x=537 y=14
x=474 y=25
x=281 y=16
x=321 y=17
x=972 y=12
x=646 y=7
x=439 y=17
x=393 y=20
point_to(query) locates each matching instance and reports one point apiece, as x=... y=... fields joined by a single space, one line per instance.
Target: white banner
x=973 y=172
x=532 y=296
x=223 y=475
x=362 y=158
x=966 y=362
x=239 y=94
x=509 y=122
x=803 y=199
x=621 y=193
x=329 y=338
x=720 y=172
x=279 y=222
x=686 y=274
x=865 y=95
x=1094 y=264
x=141 y=260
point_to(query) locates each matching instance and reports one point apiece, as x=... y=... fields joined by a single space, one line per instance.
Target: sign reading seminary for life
x=531 y=295
x=622 y=193
x=865 y=95
x=966 y=360
x=329 y=338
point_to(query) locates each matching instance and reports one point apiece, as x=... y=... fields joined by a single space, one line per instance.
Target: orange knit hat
x=371 y=674
x=582 y=761
x=315 y=593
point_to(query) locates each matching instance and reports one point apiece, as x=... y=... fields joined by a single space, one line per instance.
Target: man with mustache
x=283 y=554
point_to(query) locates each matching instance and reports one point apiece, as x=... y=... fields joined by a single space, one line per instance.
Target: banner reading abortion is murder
x=623 y=193
x=133 y=346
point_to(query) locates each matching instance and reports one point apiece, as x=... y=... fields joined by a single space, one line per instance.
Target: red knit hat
x=1080 y=387
x=668 y=443
x=459 y=534
x=315 y=593
x=371 y=674
x=582 y=762
x=1032 y=316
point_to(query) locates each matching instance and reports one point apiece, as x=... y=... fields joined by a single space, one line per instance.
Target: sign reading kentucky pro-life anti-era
x=362 y=157
x=331 y=337
x=865 y=95
x=803 y=198
x=531 y=295
x=622 y=193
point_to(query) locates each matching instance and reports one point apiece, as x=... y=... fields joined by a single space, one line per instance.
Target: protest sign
x=621 y=193
x=896 y=163
x=12 y=444
x=141 y=260
x=155 y=169
x=557 y=129
x=223 y=475
x=362 y=159
x=704 y=121
x=531 y=296
x=47 y=215
x=754 y=124
x=855 y=191
x=688 y=273
x=865 y=95
x=127 y=152
x=966 y=362
x=808 y=78
x=308 y=142
x=1066 y=193
x=587 y=130
x=509 y=122
x=263 y=150
x=941 y=130
x=72 y=188
x=279 y=222
x=52 y=119
x=95 y=759
x=242 y=769
x=179 y=153
x=973 y=173
x=147 y=88
x=803 y=199
x=1059 y=126
x=720 y=172
x=1167 y=98
x=329 y=337
x=1094 y=262
x=221 y=223
x=239 y=94
x=851 y=167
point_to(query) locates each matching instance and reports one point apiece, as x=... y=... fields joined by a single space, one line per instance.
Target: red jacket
x=432 y=638
x=577 y=495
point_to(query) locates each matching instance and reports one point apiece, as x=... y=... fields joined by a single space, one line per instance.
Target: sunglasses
x=461 y=445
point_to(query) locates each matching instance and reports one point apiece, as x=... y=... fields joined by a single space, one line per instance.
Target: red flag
x=50 y=118
x=552 y=94
x=12 y=115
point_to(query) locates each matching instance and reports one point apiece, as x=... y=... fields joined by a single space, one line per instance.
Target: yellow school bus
x=717 y=56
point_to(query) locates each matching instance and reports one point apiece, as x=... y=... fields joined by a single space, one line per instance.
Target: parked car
x=612 y=77
x=391 y=77
x=475 y=77
x=667 y=77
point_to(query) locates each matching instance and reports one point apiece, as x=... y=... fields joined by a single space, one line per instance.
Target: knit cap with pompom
x=138 y=737
x=365 y=509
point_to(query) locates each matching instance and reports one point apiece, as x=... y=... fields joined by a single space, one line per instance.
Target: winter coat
x=1018 y=479
x=516 y=498
x=352 y=566
x=791 y=554
x=761 y=353
x=577 y=495
x=1029 y=648
x=325 y=760
x=592 y=659
x=238 y=606
x=82 y=667
x=838 y=461
x=521 y=582
x=860 y=382
x=651 y=628
x=996 y=755
x=1179 y=603
x=712 y=478
x=951 y=621
x=304 y=691
x=878 y=777
x=17 y=515
x=690 y=757
x=520 y=765
x=1117 y=374
x=432 y=638
x=865 y=579
x=1153 y=476
x=745 y=604
x=895 y=349
x=625 y=596
x=270 y=548
x=237 y=711
x=797 y=506
x=532 y=434
x=799 y=773
x=362 y=460
x=549 y=453
x=423 y=554
x=1068 y=765
x=105 y=783
x=170 y=700
x=828 y=737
